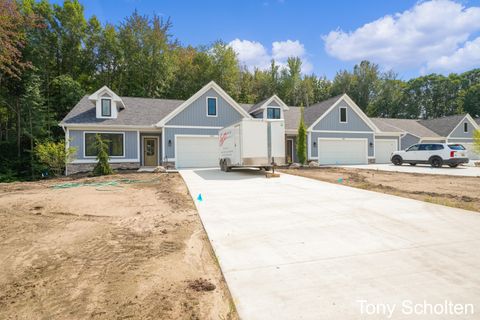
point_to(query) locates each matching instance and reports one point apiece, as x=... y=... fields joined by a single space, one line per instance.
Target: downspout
x=67 y=144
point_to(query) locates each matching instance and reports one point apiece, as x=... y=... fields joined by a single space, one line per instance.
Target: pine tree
x=301 y=140
x=102 y=167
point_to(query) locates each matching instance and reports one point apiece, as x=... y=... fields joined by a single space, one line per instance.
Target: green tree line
x=51 y=55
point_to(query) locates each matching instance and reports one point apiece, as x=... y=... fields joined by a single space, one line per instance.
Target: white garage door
x=384 y=149
x=196 y=152
x=470 y=151
x=342 y=151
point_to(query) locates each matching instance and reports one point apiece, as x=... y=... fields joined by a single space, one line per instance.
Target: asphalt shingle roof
x=443 y=126
x=403 y=125
x=313 y=112
x=137 y=112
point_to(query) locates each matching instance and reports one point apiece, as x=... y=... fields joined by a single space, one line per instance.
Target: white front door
x=384 y=149
x=196 y=151
x=342 y=151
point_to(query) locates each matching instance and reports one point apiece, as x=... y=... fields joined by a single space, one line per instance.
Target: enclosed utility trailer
x=255 y=143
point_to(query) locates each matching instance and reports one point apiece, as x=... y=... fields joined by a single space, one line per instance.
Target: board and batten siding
x=315 y=135
x=331 y=121
x=131 y=144
x=196 y=113
x=459 y=133
x=170 y=134
x=408 y=140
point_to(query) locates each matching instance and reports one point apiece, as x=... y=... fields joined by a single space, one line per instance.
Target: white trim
x=386 y=134
x=460 y=139
x=354 y=107
x=97 y=95
x=191 y=127
x=142 y=157
x=107 y=127
x=216 y=107
x=335 y=131
x=210 y=85
x=77 y=161
x=291 y=131
x=309 y=146
x=470 y=119
x=348 y=139
x=340 y=115
x=163 y=145
x=190 y=136
x=111 y=132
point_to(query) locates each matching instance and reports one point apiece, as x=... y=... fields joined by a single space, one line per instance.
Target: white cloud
x=463 y=59
x=283 y=49
x=251 y=53
x=417 y=37
x=254 y=55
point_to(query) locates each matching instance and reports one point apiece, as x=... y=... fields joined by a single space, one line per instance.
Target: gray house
x=148 y=132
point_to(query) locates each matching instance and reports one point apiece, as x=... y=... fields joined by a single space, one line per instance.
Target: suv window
x=437 y=147
x=456 y=147
x=413 y=148
x=430 y=147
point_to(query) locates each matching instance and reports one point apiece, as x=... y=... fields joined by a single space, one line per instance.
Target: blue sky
x=410 y=37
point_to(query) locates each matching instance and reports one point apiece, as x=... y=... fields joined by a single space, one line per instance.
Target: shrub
x=54 y=155
x=102 y=167
x=476 y=141
x=301 y=141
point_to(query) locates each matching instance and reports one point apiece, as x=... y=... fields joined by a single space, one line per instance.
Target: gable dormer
x=107 y=103
x=271 y=108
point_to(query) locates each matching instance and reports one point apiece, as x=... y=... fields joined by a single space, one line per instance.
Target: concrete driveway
x=296 y=248
x=466 y=171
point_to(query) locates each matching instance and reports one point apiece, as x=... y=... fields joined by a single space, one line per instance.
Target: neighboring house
x=150 y=132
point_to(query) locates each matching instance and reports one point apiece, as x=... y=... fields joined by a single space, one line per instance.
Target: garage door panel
x=196 y=152
x=342 y=151
x=384 y=149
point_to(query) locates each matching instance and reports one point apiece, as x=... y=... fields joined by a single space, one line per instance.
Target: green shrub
x=54 y=155
x=302 y=141
x=476 y=141
x=102 y=167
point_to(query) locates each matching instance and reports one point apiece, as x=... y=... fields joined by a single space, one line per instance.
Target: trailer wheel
x=227 y=168
x=222 y=165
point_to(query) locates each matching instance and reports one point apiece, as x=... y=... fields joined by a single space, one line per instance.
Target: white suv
x=435 y=154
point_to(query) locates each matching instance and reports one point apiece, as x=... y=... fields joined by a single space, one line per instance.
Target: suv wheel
x=436 y=162
x=413 y=164
x=397 y=160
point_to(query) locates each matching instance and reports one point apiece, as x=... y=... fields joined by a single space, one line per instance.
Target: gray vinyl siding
x=331 y=121
x=170 y=134
x=131 y=143
x=390 y=138
x=151 y=134
x=273 y=104
x=458 y=131
x=196 y=113
x=408 y=140
x=315 y=135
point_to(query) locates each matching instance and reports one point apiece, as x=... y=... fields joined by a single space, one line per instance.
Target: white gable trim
x=275 y=98
x=98 y=95
x=470 y=119
x=210 y=85
x=354 y=107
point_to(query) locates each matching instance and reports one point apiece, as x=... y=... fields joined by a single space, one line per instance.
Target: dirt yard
x=459 y=192
x=128 y=251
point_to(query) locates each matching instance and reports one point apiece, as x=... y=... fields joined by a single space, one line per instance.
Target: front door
x=150 y=150
x=289 y=150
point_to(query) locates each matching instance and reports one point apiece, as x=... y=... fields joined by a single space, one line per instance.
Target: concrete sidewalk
x=296 y=248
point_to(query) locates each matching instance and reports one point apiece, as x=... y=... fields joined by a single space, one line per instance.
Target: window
x=273 y=113
x=212 y=107
x=456 y=147
x=413 y=148
x=113 y=140
x=106 y=108
x=465 y=127
x=343 y=115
